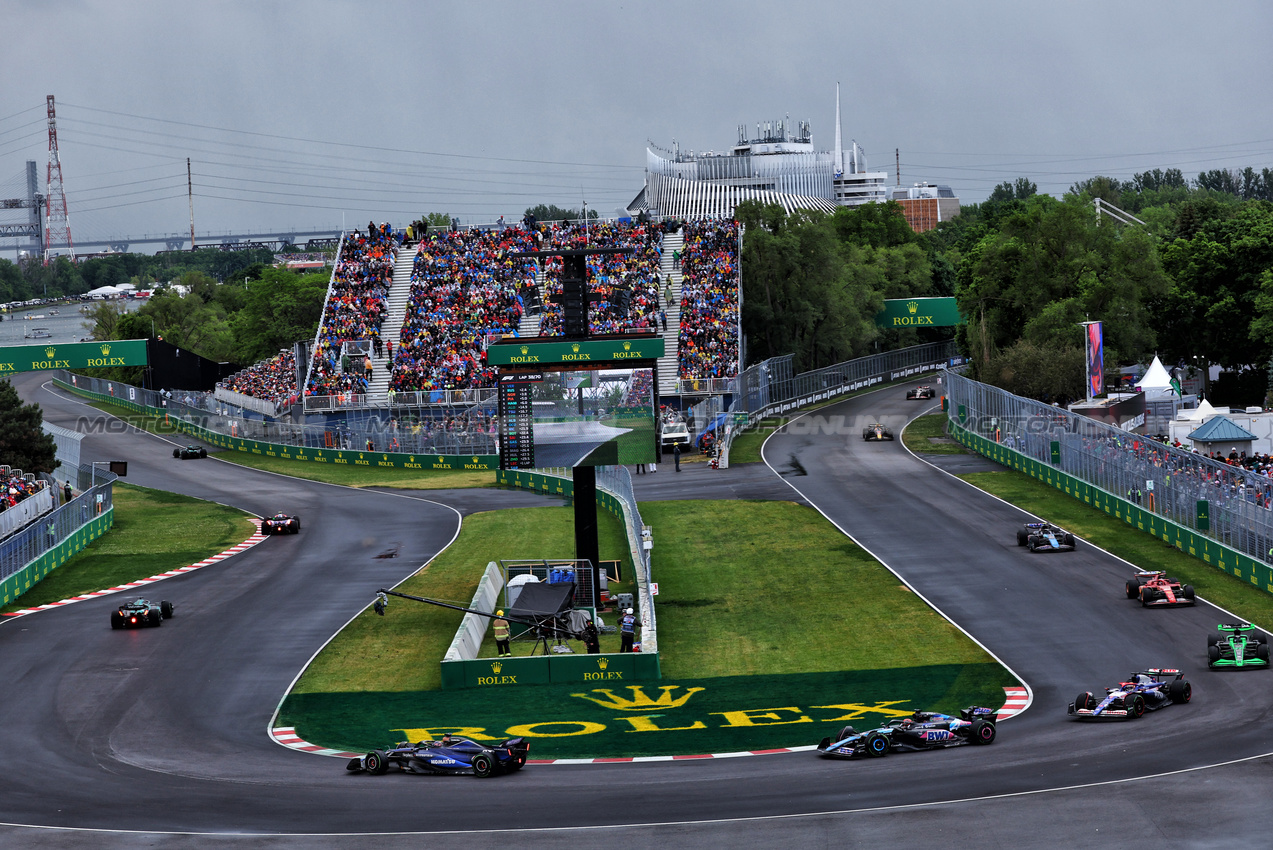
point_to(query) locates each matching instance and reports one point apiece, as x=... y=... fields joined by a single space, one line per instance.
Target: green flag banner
x=918 y=312
x=72 y=355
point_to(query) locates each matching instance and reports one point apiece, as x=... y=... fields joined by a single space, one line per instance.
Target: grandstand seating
x=708 y=338
x=467 y=288
x=273 y=379
x=354 y=309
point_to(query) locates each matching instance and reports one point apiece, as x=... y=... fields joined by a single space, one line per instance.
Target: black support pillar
x=586 y=545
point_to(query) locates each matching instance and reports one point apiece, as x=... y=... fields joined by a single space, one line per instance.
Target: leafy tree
x=552 y=212
x=279 y=309
x=23 y=443
x=878 y=225
x=1048 y=373
x=105 y=316
x=1217 y=307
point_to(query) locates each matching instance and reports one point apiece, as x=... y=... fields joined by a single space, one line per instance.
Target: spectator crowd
x=273 y=379
x=354 y=309
x=708 y=343
x=17 y=489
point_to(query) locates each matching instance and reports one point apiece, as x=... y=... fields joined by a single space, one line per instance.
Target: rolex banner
x=919 y=313
x=72 y=355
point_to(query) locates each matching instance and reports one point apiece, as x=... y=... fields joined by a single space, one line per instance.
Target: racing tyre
x=1147 y=595
x=1180 y=691
x=1022 y=537
x=376 y=763
x=482 y=765
x=846 y=732
x=203 y=452
x=1083 y=700
x=1133 y=588
x=1212 y=640
x=1030 y=545
x=1187 y=592
x=1258 y=638
x=117 y=620
x=983 y=732
x=876 y=745
x=176 y=453
x=1135 y=706
x=1213 y=654
x=165 y=610
x=154 y=618
x=1068 y=540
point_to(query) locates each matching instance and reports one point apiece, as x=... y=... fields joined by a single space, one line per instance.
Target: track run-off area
x=117 y=739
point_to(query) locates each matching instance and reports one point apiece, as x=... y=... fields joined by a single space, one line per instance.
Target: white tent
x=1156 y=377
x=104 y=292
x=1198 y=414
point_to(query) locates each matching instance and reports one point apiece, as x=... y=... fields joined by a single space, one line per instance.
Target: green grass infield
x=927 y=435
x=667 y=717
x=155 y=531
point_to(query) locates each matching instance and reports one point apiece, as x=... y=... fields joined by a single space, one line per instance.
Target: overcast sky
x=300 y=115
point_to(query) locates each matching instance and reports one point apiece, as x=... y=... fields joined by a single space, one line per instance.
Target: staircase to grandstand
x=391 y=327
x=529 y=326
x=670 y=270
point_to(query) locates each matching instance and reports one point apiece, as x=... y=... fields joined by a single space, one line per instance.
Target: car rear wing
x=974 y=712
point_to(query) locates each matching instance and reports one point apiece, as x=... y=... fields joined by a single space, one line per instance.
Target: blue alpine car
x=450 y=755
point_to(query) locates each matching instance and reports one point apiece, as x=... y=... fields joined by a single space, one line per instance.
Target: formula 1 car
x=1237 y=645
x=876 y=431
x=923 y=730
x=281 y=524
x=1045 y=535
x=450 y=755
x=1153 y=589
x=140 y=612
x=187 y=452
x=1147 y=691
x=921 y=392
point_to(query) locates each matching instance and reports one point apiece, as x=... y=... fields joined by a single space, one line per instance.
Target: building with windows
x=778 y=164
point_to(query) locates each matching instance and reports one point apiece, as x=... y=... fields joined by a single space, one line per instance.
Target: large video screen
x=587 y=418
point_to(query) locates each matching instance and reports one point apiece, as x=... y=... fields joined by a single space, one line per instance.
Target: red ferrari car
x=1153 y=588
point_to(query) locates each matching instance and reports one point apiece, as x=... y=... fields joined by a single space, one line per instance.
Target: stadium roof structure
x=1221 y=430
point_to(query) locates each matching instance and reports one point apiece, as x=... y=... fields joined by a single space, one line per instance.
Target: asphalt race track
x=159 y=737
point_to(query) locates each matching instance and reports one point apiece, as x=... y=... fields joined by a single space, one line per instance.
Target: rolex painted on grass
x=590 y=719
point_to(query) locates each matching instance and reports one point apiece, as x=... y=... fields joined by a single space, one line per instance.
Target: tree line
x=1193 y=285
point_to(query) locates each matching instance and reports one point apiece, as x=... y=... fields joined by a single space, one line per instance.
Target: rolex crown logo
x=575 y=348
x=106 y=350
x=603 y=662
x=912 y=306
x=475 y=460
x=639 y=701
x=627 y=346
x=441 y=459
x=49 y=352
x=525 y=349
x=496 y=667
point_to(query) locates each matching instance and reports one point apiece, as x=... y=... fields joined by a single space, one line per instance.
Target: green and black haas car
x=139 y=613
x=189 y=452
x=1237 y=645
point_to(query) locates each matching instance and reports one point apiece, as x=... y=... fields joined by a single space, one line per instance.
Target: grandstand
x=406 y=325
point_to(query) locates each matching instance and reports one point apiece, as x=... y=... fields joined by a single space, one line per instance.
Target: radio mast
x=57 y=227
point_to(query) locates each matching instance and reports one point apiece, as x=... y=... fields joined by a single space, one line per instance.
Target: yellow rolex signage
x=72 y=355
x=919 y=313
x=515 y=352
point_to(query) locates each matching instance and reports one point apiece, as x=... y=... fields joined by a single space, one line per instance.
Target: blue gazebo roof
x=1221 y=430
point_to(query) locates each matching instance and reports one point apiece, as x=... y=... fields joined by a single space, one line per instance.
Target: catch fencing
x=1212 y=499
x=43 y=536
x=464 y=431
